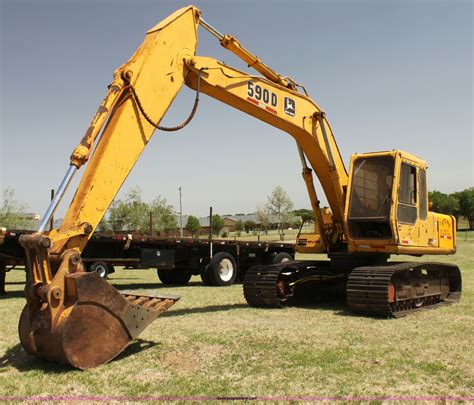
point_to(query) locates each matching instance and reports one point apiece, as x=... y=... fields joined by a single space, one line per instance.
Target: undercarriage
x=390 y=289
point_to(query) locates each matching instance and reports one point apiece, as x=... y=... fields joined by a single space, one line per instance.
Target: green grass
x=212 y=344
x=465 y=235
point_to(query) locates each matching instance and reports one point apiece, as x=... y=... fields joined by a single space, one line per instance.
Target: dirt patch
x=193 y=359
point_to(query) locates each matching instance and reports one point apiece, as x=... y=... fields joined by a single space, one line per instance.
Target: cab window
x=407 y=195
x=371 y=197
x=423 y=195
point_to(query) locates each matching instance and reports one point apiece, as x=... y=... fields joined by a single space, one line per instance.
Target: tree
x=263 y=216
x=305 y=214
x=163 y=215
x=217 y=224
x=444 y=203
x=466 y=205
x=279 y=204
x=138 y=218
x=118 y=215
x=104 y=225
x=297 y=223
x=239 y=227
x=134 y=214
x=249 y=226
x=193 y=225
x=12 y=211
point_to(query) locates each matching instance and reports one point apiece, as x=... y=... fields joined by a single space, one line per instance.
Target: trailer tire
x=206 y=279
x=176 y=276
x=222 y=269
x=111 y=268
x=163 y=275
x=101 y=268
x=281 y=258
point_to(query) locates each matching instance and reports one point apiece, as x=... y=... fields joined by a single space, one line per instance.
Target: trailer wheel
x=176 y=276
x=206 y=279
x=281 y=258
x=163 y=276
x=222 y=269
x=111 y=268
x=101 y=268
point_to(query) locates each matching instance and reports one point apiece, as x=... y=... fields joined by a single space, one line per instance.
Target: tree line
x=278 y=205
x=132 y=213
x=458 y=204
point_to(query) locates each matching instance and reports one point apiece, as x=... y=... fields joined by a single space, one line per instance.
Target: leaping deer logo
x=289 y=106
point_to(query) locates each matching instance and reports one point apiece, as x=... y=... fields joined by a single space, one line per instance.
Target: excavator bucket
x=79 y=318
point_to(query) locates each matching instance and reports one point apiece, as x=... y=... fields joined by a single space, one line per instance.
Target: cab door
x=425 y=223
x=412 y=205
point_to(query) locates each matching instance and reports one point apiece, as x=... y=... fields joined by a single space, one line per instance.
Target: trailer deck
x=220 y=262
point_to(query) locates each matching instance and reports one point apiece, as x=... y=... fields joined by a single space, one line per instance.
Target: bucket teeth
x=140 y=300
x=156 y=303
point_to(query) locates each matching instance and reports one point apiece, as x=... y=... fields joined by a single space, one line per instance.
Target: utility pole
x=180 y=214
x=210 y=233
x=210 y=223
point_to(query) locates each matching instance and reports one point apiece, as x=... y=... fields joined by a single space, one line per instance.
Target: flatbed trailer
x=219 y=262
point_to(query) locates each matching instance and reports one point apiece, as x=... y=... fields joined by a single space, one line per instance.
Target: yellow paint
x=446 y=231
x=309 y=243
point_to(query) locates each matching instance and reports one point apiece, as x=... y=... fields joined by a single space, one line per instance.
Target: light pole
x=180 y=214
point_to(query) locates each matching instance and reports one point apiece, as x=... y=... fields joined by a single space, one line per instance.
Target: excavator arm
x=68 y=310
x=156 y=73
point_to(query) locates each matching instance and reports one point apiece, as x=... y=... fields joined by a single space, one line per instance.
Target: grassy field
x=212 y=344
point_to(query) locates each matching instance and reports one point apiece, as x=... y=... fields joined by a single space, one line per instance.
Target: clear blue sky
x=389 y=74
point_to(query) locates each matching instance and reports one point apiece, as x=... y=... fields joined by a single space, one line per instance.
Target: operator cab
x=387 y=207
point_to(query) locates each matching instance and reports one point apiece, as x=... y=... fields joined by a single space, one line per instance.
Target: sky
x=388 y=74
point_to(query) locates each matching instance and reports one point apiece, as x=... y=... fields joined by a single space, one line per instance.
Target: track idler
x=78 y=318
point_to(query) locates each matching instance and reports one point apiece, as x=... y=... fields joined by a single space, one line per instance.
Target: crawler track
x=283 y=284
x=260 y=285
x=398 y=289
x=392 y=289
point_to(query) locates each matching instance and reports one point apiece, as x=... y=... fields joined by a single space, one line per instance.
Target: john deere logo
x=290 y=108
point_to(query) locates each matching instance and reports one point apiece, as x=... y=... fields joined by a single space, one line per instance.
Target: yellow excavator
x=379 y=208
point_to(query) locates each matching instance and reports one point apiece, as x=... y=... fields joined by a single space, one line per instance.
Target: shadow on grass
x=113 y=278
x=148 y=286
x=204 y=310
x=139 y=345
x=17 y=358
x=12 y=294
x=339 y=308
